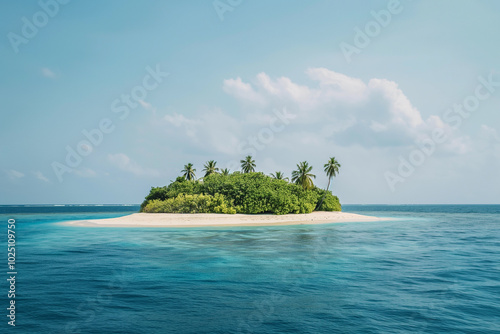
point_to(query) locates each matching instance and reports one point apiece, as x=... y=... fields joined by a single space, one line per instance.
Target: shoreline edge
x=178 y=220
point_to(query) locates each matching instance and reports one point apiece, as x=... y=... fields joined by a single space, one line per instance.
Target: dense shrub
x=249 y=193
x=330 y=203
x=197 y=203
x=156 y=193
x=174 y=189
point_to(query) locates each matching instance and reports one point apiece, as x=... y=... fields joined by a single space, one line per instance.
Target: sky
x=102 y=100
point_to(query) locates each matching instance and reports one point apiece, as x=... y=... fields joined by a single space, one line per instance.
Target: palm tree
x=225 y=172
x=189 y=172
x=279 y=176
x=248 y=165
x=302 y=176
x=331 y=170
x=210 y=168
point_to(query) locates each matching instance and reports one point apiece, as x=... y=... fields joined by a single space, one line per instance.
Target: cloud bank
x=332 y=108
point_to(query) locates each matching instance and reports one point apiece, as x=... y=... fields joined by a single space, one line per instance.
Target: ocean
x=432 y=269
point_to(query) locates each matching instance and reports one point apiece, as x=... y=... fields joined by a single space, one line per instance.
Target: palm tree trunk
x=324 y=195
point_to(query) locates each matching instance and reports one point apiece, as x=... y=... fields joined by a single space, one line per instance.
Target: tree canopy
x=189 y=172
x=210 y=168
x=303 y=176
x=221 y=191
x=248 y=193
x=248 y=164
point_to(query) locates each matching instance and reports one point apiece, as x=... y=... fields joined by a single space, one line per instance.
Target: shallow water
x=434 y=269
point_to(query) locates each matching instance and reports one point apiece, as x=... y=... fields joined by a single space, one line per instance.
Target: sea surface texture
x=433 y=269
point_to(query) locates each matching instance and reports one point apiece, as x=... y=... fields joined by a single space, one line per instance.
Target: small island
x=241 y=198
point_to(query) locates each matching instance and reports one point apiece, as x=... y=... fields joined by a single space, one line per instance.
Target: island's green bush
x=330 y=203
x=249 y=193
x=180 y=186
x=197 y=203
x=156 y=193
x=257 y=193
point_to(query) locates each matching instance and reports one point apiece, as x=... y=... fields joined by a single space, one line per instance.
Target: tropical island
x=241 y=198
x=246 y=191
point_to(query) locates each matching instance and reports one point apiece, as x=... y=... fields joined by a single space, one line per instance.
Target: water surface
x=434 y=269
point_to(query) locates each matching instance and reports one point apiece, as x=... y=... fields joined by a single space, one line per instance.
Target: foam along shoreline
x=215 y=219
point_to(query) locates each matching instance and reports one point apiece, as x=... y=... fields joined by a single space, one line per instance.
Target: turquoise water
x=434 y=269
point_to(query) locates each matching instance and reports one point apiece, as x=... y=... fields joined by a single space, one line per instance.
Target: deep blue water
x=433 y=269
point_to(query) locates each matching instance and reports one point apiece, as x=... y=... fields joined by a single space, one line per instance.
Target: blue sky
x=271 y=78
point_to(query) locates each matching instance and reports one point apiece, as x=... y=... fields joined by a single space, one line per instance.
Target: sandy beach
x=213 y=219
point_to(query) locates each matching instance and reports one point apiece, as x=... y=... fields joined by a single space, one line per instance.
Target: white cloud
x=403 y=113
x=14 y=174
x=374 y=114
x=123 y=162
x=334 y=109
x=46 y=72
x=337 y=86
x=39 y=175
x=284 y=88
x=180 y=121
x=242 y=90
x=335 y=114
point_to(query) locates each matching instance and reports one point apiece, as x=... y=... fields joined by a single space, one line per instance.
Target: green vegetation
x=197 y=203
x=331 y=169
x=210 y=168
x=249 y=192
x=189 y=172
x=302 y=176
x=279 y=176
x=248 y=165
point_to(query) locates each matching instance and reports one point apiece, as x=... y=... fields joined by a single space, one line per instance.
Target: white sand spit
x=215 y=219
